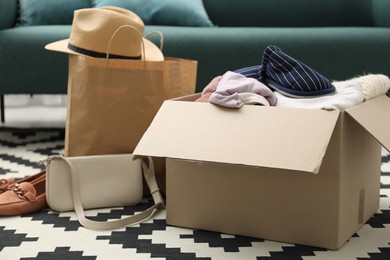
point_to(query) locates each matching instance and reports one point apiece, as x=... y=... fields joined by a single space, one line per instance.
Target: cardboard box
x=303 y=176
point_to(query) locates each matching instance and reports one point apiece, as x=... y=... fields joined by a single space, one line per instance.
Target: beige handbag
x=100 y=181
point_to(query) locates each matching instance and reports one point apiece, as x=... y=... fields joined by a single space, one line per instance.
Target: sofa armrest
x=8 y=9
x=380 y=12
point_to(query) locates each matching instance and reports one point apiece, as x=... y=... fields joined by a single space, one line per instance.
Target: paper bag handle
x=148 y=171
x=114 y=34
x=142 y=40
x=161 y=38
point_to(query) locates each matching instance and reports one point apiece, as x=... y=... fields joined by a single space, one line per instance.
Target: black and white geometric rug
x=50 y=235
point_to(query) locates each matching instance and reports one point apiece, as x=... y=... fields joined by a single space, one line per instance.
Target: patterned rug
x=50 y=235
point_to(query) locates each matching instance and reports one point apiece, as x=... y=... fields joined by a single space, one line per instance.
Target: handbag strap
x=148 y=170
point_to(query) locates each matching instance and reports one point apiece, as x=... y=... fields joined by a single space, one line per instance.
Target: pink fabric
x=233 y=83
x=209 y=89
x=204 y=98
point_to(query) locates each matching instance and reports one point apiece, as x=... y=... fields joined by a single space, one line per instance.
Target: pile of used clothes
x=280 y=80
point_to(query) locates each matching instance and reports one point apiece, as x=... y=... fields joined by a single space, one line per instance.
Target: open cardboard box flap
x=293 y=139
x=374 y=116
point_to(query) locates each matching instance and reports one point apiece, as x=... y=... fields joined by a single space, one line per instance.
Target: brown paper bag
x=112 y=102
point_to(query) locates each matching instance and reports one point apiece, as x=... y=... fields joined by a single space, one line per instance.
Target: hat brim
x=152 y=52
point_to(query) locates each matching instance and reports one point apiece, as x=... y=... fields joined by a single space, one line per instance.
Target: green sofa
x=338 y=38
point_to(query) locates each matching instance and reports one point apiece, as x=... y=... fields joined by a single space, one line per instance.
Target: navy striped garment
x=287 y=75
x=250 y=72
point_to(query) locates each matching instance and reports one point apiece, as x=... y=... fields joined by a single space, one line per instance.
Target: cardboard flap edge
x=374 y=116
x=254 y=136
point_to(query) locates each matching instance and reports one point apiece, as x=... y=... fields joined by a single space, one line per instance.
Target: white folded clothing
x=347 y=94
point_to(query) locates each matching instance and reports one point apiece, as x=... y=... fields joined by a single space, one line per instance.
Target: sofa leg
x=2 y=108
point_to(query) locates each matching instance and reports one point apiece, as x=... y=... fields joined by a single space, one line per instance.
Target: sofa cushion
x=337 y=53
x=288 y=13
x=381 y=10
x=8 y=10
x=47 y=12
x=26 y=66
x=164 y=12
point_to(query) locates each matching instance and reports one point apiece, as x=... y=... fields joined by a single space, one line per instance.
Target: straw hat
x=99 y=31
